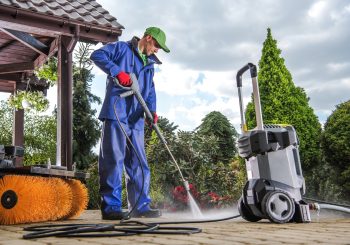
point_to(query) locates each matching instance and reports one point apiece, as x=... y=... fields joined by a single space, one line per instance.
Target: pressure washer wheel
x=245 y=212
x=278 y=206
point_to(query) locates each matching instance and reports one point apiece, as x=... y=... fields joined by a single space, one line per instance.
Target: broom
x=80 y=198
x=27 y=199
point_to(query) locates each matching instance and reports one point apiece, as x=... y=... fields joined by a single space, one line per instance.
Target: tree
x=196 y=154
x=336 y=145
x=39 y=135
x=39 y=139
x=284 y=103
x=6 y=115
x=86 y=128
x=217 y=125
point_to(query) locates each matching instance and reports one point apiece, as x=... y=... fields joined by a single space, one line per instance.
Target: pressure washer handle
x=253 y=73
x=256 y=96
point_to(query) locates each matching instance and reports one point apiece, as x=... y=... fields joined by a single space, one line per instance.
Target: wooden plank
x=16 y=67
x=10 y=60
x=27 y=40
x=7 y=44
x=10 y=77
x=6 y=86
x=12 y=56
x=6 y=89
x=39 y=61
x=19 y=49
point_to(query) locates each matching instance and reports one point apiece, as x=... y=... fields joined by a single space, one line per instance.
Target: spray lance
x=135 y=90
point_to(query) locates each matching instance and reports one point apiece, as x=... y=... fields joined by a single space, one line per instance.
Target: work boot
x=110 y=212
x=150 y=213
x=115 y=215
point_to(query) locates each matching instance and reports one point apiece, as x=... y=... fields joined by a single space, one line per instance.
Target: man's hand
x=124 y=79
x=155 y=119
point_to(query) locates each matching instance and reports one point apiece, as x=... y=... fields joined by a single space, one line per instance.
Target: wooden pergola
x=33 y=31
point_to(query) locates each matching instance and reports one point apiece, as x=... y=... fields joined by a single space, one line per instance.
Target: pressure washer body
x=275 y=181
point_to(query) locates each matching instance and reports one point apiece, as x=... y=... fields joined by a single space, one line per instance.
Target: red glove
x=155 y=118
x=124 y=79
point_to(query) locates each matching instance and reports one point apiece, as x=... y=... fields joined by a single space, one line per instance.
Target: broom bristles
x=34 y=199
x=80 y=198
x=42 y=199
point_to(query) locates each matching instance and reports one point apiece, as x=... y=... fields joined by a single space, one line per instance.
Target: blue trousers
x=116 y=154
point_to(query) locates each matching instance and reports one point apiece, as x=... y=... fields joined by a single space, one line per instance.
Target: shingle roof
x=85 y=11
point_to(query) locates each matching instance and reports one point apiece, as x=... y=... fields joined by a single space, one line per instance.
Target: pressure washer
x=274 y=188
x=275 y=183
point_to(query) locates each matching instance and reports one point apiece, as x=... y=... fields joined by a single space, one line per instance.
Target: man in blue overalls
x=118 y=60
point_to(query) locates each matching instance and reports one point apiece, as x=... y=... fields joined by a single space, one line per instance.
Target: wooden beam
x=27 y=40
x=16 y=67
x=46 y=25
x=7 y=44
x=43 y=58
x=10 y=77
x=7 y=86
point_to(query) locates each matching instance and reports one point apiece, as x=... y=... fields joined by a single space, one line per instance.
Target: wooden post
x=18 y=126
x=18 y=133
x=64 y=104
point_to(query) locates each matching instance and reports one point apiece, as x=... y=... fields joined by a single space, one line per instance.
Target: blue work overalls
x=115 y=152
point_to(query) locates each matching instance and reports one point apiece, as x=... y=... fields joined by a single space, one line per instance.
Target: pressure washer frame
x=275 y=182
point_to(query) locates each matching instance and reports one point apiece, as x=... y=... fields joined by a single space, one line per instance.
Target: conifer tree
x=216 y=124
x=86 y=128
x=284 y=103
x=336 y=146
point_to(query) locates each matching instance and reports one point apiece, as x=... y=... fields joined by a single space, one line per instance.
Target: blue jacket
x=113 y=58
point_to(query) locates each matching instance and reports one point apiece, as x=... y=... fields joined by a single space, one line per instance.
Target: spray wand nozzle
x=186 y=185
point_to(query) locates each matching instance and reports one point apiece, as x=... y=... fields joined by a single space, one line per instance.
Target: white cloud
x=212 y=40
x=318 y=9
x=336 y=67
x=174 y=80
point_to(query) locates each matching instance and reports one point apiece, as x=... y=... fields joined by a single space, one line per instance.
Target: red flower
x=214 y=197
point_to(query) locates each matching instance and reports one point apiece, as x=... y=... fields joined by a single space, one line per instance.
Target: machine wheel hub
x=9 y=199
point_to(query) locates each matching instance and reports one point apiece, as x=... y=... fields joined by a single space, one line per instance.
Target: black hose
x=137 y=155
x=326 y=202
x=128 y=228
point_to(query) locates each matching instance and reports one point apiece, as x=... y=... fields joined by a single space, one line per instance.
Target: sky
x=211 y=40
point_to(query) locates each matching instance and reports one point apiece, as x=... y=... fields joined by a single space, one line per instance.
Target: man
x=118 y=60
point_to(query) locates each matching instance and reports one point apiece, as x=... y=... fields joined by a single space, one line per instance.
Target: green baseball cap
x=159 y=36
